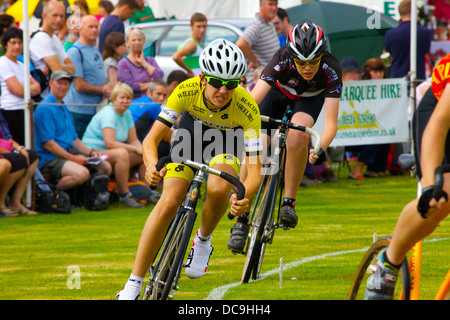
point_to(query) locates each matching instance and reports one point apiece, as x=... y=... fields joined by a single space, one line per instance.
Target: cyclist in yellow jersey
x=211 y=105
x=420 y=217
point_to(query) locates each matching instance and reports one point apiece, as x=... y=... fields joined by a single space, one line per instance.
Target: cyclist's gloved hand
x=427 y=194
x=321 y=155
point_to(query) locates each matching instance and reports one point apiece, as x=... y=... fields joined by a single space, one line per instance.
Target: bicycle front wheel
x=261 y=225
x=363 y=272
x=166 y=277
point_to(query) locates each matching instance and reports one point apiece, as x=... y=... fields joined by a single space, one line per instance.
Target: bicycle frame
x=262 y=220
x=415 y=261
x=163 y=283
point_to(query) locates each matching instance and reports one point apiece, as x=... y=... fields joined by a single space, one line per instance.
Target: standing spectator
x=89 y=81
x=23 y=165
x=135 y=69
x=397 y=43
x=105 y=8
x=189 y=51
x=63 y=155
x=73 y=30
x=6 y=21
x=143 y=13
x=259 y=41
x=114 y=49
x=12 y=80
x=282 y=25
x=112 y=130
x=114 y=22
x=46 y=50
x=442 y=10
x=375 y=156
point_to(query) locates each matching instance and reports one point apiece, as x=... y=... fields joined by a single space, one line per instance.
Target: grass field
x=89 y=255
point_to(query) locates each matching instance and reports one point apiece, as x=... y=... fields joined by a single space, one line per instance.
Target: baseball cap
x=349 y=63
x=60 y=74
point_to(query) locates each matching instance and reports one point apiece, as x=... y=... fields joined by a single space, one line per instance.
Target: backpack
x=38 y=75
x=140 y=191
x=95 y=194
x=50 y=199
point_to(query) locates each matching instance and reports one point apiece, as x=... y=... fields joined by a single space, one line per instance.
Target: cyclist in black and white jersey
x=306 y=76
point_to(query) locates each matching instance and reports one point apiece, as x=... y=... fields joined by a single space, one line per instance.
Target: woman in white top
x=12 y=83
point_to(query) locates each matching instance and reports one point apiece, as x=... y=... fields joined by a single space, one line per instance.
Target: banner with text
x=371 y=112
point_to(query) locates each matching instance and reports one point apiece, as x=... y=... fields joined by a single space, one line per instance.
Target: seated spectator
x=113 y=132
x=174 y=79
x=113 y=50
x=114 y=22
x=89 y=85
x=23 y=165
x=135 y=69
x=63 y=155
x=12 y=84
x=145 y=111
x=374 y=156
x=5 y=169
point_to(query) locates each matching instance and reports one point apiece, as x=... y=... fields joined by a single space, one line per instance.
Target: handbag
x=5 y=144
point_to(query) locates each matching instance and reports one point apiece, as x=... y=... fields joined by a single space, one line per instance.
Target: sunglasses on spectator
x=312 y=63
x=218 y=83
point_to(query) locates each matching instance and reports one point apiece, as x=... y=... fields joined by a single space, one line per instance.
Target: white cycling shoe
x=198 y=259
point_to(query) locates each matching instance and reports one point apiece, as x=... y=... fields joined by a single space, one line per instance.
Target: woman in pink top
x=135 y=69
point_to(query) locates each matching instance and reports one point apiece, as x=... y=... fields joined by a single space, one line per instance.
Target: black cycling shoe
x=288 y=217
x=238 y=236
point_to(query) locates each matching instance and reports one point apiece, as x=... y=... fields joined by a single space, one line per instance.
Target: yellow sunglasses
x=312 y=63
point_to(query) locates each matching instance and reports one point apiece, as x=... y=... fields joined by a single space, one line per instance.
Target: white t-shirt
x=41 y=46
x=9 y=69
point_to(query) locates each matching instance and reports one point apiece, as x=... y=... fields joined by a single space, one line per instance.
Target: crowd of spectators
x=82 y=95
x=98 y=94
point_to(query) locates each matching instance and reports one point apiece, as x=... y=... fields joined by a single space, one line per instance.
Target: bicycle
x=261 y=220
x=166 y=271
x=409 y=285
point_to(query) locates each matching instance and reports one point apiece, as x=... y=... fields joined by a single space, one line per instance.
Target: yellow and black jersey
x=241 y=112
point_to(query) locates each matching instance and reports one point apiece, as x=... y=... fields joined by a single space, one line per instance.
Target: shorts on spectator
x=19 y=161
x=53 y=167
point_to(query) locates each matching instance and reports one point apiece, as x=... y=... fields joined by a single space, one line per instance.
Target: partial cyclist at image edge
x=214 y=103
x=420 y=217
x=308 y=77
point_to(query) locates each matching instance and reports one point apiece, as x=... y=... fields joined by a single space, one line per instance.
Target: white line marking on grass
x=218 y=293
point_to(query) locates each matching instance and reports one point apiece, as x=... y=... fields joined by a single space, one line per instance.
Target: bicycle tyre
x=370 y=258
x=169 y=265
x=256 y=245
x=175 y=271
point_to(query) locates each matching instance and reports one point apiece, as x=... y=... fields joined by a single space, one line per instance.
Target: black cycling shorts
x=275 y=103
x=419 y=121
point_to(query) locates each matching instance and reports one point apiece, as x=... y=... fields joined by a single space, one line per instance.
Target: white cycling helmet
x=223 y=59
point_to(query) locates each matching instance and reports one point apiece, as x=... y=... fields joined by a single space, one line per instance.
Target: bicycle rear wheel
x=363 y=273
x=262 y=223
x=167 y=275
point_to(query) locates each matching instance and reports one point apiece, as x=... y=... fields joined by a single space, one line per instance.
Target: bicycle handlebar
x=205 y=168
x=291 y=125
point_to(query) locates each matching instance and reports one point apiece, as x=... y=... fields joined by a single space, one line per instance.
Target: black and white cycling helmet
x=306 y=41
x=223 y=59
